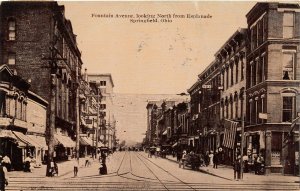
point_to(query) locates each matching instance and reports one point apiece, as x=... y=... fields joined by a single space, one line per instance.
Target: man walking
x=75 y=167
x=3 y=176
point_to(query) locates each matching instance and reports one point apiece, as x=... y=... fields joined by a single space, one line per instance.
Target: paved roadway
x=135 y=171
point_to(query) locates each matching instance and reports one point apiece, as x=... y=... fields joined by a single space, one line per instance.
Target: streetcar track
x=154 y=175
x=166 y=171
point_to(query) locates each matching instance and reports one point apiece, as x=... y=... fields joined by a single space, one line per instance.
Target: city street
x=135 y=171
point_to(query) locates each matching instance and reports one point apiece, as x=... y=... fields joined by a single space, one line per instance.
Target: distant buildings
x=249 y=92
x=104 y=83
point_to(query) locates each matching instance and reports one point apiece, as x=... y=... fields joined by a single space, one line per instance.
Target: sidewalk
x=64 y=168
x=226 y=172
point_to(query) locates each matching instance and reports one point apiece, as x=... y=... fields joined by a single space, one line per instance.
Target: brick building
x=37 y=41
x=273 y=68
x=232 y=59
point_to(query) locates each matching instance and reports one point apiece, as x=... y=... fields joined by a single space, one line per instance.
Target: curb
x=204 y=171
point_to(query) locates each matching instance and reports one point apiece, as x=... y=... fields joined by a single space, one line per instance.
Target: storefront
x=85 y=146
x=64 y=147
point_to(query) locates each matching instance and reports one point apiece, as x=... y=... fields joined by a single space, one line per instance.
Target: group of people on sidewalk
x=88 y=162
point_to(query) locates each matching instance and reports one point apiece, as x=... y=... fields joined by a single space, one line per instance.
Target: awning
x=25 y=141
x=65 y=141
x=85 y=141
x=165 y=132
x=7 y=134
x=41 y=140
x=89 y=141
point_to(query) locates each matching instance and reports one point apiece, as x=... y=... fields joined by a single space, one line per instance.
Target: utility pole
x=77 y=112
x=98 y=120
x=53 y=65
x=242 y=146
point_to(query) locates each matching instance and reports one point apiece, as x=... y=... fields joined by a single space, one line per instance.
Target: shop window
x=288 y=108
x=288 y=66
x=11 y=29
x=288 y=25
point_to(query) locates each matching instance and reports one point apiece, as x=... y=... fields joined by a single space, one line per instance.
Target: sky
x=153 y=58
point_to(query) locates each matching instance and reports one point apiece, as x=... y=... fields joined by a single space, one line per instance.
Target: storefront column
x=268 y=152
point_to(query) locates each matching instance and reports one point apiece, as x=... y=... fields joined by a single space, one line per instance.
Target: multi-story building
x=107 y=129
x=205 y=109
x=22 y=120
x=232 y=60
x=151 y=107
x=273 y=86
x=38 y=42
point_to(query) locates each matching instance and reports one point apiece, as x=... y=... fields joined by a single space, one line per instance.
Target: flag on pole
x=230 y=133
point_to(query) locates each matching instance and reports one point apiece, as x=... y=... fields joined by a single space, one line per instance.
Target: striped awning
x=230 y=133
x=25 y=141
x=41 y=140
x=64 y=140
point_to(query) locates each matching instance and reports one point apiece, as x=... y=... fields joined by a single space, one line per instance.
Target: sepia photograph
x=149 y=95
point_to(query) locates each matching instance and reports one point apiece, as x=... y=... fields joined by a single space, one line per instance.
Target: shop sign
x=275 y=158
x=263 y=115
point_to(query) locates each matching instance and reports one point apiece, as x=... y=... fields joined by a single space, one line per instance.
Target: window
x=237 y=72
x=288 y=25
x=11 y=30
x=259 y=71
x=254 y=37
x=102 y=106
x=102 y=83
x=265 y=28
x=227 y=73
x=242 y=70
x=288 y=108
x=11 y=59
x=288 y=66
x=231 y=76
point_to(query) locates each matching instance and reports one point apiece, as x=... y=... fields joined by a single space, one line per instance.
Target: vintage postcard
x=149 y=95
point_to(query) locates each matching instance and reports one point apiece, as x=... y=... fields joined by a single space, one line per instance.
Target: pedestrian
x=3 y=175
x=76 y=165
x=237 y=168
x=6 y=162
x=27 y=162
x=245 y=162
x=87 y=161
x=206 y=158
x=211 y=156
x=259 y=164
x=179 y=155
x=216 y=159
x=183 y=158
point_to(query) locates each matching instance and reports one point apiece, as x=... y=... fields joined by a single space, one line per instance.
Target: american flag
x=230 y=133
